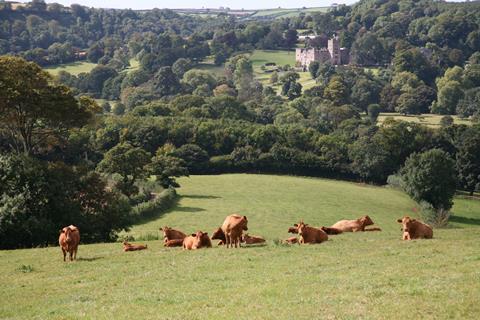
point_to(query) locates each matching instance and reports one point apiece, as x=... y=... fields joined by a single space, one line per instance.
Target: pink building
x=333 y=54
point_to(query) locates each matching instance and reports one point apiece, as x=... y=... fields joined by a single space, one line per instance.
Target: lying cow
x=310 y=234
x=172 y=234
x=414 y=229
x=291 y=240
x=69 y=239
x=233 y=227
x=248 y=239
x=354 y=225
x=173 y=243
x=197 y=241
x=133 y=247
x=327 y=230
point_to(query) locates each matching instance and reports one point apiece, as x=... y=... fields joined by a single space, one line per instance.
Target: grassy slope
x=367 y=275
x=284 y=13
x=74 y=68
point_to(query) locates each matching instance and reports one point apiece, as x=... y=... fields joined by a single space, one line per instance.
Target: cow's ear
x=161 y=229
x=194 y=234
x=413 y=220
x=205 y=233
x=245 y=217
x=60 y=231
x=295 y=225
x=399 y=220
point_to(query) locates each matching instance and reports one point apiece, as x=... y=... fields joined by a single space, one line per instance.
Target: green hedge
x=164 y=201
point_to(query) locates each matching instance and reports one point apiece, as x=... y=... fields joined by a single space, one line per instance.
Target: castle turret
x=334 y=50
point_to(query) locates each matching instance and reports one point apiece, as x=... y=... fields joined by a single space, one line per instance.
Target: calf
x=69 y=239
x=219 y=235
x=248 y=239
x=311 y=235
x=133 y=247
x=197 y=241
x=414 y=229
x=354 y=225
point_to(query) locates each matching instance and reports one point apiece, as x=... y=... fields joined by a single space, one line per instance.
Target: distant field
x=74 y=68
x=431 y=120
x=284 y=13
x=372 y=275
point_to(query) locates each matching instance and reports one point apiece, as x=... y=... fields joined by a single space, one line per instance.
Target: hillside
x=365 y=275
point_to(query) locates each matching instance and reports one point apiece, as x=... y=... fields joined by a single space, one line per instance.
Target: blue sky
x=233 y=4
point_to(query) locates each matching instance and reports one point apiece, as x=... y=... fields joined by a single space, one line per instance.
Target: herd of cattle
x=231 y=234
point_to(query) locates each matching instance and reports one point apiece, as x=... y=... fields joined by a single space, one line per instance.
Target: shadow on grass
x=463 y=220
x=188 y=209
x=199 y=196
x=89 y=259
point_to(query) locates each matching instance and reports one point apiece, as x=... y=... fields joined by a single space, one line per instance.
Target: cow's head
x=200 y=239
x=293 y=229
x=166 y=230
x=366 y=221
x=407 y=223
x=218 y=234
x=245 y=223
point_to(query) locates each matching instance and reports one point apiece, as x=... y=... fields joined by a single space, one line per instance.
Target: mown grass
x=371 y=275
x=284 y=13
x=431 y=120
x=74 y=68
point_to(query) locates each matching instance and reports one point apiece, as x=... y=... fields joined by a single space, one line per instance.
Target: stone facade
x=333 y=54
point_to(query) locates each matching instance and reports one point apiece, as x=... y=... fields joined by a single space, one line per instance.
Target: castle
x=333 y=54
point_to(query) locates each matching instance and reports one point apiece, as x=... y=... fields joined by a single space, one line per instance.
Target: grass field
x=371 y=275
x=74 y=68
x=431 y=120
x=286 y=13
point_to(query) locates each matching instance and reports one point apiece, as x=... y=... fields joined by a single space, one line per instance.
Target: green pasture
x=74 y=68
x=431 y=120
x=371 y=275
x=286 y=13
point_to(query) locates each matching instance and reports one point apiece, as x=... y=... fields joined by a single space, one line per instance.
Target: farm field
x=372 y=275
x=431 y=120
x=286 y=13
x=74 y=68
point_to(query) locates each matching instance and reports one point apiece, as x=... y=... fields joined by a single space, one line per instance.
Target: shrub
x=164 y=201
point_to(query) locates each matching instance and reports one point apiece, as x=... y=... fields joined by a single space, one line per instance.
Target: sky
x=174 y=4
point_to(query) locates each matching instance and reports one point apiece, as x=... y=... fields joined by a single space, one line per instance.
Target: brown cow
x=310 y=234
x=197 y=241
x=248 y=239
x=171 y=234
x=133 y=247
x=173 y=243
x=219 y=235
x=293 y=230
x=69 y=239
x=233 y=227
x=354 y=225
x=291 y=240
x=414 y=229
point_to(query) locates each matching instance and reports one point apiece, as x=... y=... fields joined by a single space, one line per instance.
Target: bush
x=164 y=201
x=394 y=181
x=436 y=217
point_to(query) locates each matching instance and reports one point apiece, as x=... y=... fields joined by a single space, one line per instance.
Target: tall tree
x=32 y=109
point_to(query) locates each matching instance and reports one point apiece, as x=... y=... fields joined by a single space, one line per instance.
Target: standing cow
x=69 y=239
x=233 y=227
x=414 y=229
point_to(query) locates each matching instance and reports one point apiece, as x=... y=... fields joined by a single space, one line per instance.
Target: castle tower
x=334 y=50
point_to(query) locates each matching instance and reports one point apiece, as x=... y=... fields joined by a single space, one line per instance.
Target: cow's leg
x=70 y=253
x=64 y=254
x=75 y=254
x=227 y=240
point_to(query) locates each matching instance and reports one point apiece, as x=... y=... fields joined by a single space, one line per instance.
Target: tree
x=195 y=158
x=290 y=87
x=119 y=109
x=128 y=162
x=291 y=38
x=373 y=112
x=313 y=68
x=165 y=82
x=468 y=160
x=181 y=66
x=336 y=91
x=32 y=109
x=274 y=77
x=430 y=177
x=166 y=168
